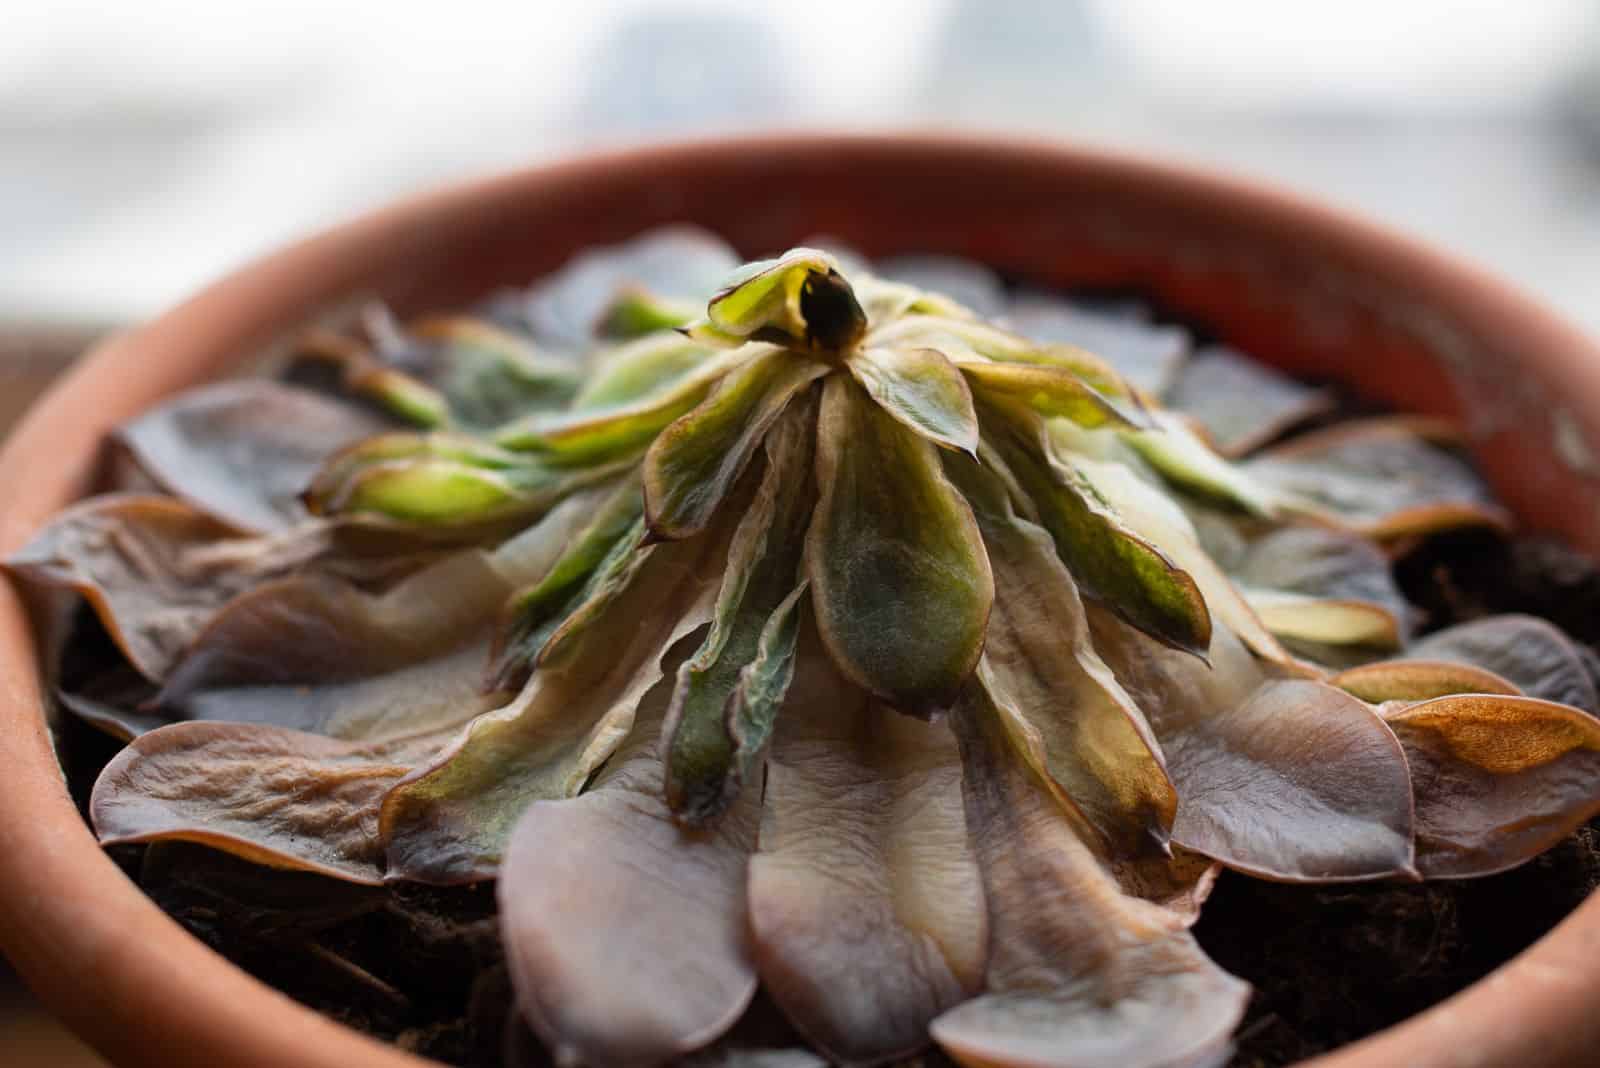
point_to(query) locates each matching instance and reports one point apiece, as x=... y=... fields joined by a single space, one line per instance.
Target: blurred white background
x=146 y=147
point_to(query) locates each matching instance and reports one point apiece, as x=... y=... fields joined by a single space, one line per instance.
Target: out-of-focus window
x=146 y=147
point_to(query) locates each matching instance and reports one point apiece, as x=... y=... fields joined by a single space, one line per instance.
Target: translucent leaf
x=799 y=299
x=1080 y=975
x=1148 y=356
x=243 y=451
x=1533 y=654
x=625 y=934
x=277 y=797
x=693 y=465
x=727 y=695
x=1382 y=477
x=923 y=390
x=1070 y=717
x=899 y=578
x=1286 y=779
x=1108 y=560
x=1242 y=404
x=866 y=910
x=1498 y=779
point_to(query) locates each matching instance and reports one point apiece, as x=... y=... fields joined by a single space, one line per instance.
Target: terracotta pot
x=1312 y=290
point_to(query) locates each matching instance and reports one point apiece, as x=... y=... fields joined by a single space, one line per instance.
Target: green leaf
x=638 y=369
x=923 y=390
x=1049 y=390
x=1110 y=562
x=1079 y=729
x=592 y=564
x=727 y=694
x=637 y=312
x=970 y=341
x=798 y=299
x=594 y=434
x=693 y=465
x=899 y=576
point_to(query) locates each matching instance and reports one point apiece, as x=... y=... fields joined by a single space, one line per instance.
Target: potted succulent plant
x=810 y=625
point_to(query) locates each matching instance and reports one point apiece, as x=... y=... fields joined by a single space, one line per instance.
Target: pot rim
x=106 y=959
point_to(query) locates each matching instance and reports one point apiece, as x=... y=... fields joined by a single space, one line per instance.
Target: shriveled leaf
x=799 y=299
x=969 y=283
x=311 y=653
x=1533 y=654
x=1080 y=975
x=1325 y=565
x=1109 y=561
x=597 y=433
x=1418 y=680
x=449 y=820
x=243 y=451
x=866 y=910
x=899 y=577
x=1175 y=451
x=1242 y=404
x=1052 y=391
x=923 y=390
x=1072 y=720
x=693 y=465
x=278 y=797
x=727 y=695
x=679 y=263
x=1381 y=477
x=154 y=569
x=1286 y=779
x=625 y=934
x=1498 y=779
x=1148 y=356
x=967 y=340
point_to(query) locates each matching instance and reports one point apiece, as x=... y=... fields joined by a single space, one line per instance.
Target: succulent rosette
x=920 y=658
